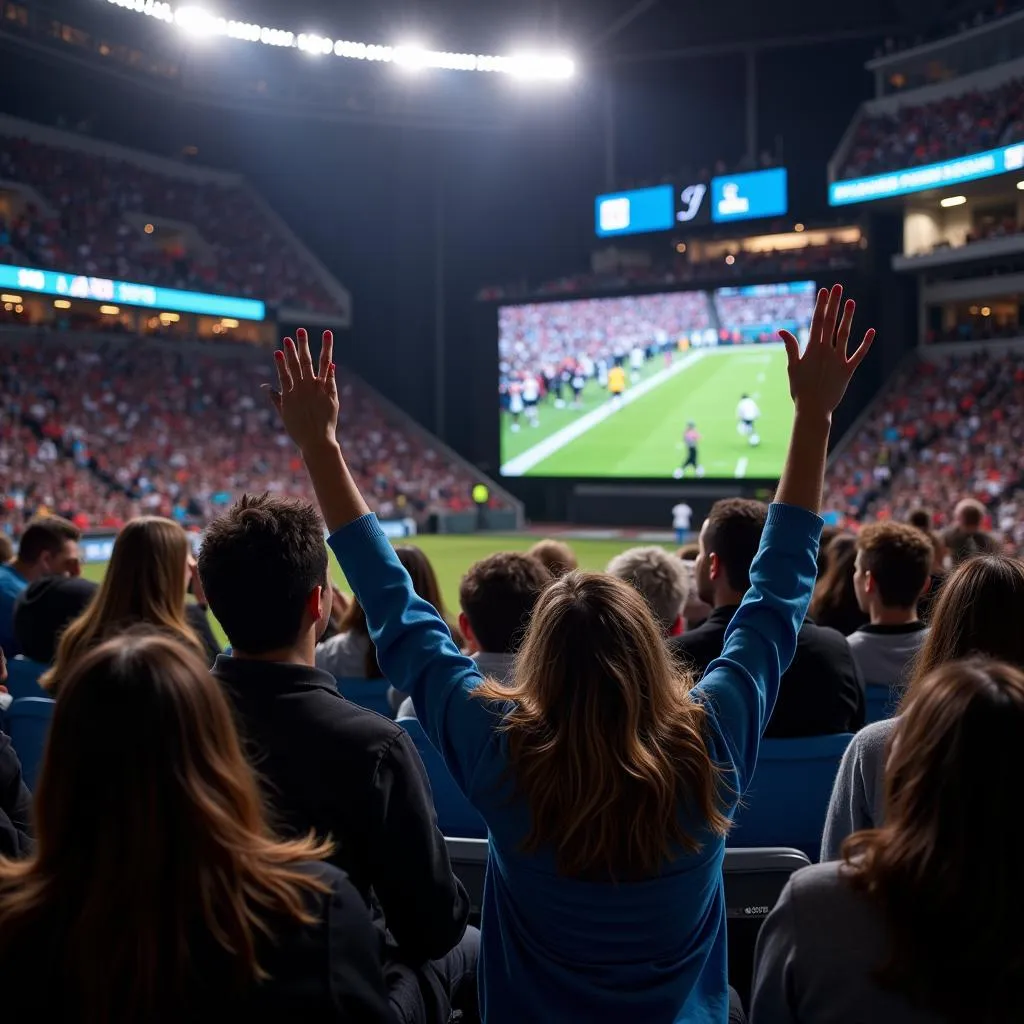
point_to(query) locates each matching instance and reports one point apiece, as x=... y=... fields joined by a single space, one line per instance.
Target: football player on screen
x=691 y=438
x=747 y=415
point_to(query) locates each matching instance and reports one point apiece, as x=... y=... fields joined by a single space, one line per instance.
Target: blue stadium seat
x=455 y=815
x=27 y=723
x=371 y=694
x=787 y=799
x=882 y=702
x=23 y=678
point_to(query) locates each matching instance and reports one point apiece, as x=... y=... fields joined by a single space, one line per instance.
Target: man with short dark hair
x=328 y=765
x=821 y=693
x=661 y=581
x=891 y=572
x=48 y=547
x=967 y=537
x=45 y=609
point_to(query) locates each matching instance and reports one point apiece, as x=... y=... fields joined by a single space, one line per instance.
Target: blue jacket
x=556 y=949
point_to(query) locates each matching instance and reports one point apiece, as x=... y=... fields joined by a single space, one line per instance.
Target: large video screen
x=676 y=385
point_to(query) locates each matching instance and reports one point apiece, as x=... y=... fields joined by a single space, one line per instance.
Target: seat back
x=881 y=702
x=371 y=694
x=27 y=723
x=455 y=815
x=754 y=879
x=469 y=862
x=23 y=678
x=787 y=799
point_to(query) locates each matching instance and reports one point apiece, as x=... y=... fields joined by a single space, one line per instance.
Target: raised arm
x=741 y=686
x=414 y=648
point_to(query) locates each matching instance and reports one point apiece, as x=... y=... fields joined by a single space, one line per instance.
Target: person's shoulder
x=873 y=738
x=822 y=638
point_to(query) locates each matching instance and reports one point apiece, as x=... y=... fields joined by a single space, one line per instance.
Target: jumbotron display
x=675 y=385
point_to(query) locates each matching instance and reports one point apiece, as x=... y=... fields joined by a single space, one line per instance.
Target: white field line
x=539 y=452
x=741 y=467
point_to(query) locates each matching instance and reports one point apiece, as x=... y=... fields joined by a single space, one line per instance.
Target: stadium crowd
x=926 y=133
x=606 y=777
x=102 y=433
x=203 y=236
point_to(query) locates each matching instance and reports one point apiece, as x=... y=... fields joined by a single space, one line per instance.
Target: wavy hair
x=944 y=870
x=150 y=836
x=144 y=585
x=606 y=745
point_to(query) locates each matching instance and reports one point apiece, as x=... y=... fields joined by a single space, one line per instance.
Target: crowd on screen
x=942 y=129
x=603 y=726
x=102 y=433
x=87 y=213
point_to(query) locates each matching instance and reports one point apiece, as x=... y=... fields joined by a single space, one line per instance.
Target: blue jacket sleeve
x=740 y=687
x=415 y=650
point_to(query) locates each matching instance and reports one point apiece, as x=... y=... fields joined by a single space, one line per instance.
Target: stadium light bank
x=202 y=24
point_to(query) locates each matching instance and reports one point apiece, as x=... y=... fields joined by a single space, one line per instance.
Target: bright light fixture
x=953 y=201
x=1020 y=185
x=61 y=304
x=10 y=298
x=202 y=24
x=110 y=310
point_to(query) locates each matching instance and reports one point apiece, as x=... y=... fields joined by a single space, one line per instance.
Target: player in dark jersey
x=691 y=439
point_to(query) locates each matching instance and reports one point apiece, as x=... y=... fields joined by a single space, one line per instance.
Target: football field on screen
x=643 y=437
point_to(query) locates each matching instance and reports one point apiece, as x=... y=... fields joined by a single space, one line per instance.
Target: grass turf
x=451 y=556
x=644 y=439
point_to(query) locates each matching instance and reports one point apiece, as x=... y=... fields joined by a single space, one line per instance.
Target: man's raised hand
x=818 y=378
x=308 y=397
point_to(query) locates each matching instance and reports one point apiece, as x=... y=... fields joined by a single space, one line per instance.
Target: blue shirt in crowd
x=557 y=949
x=11 y=585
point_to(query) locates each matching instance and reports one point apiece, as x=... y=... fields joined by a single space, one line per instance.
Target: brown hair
x=46 y=533
x=979 y=611
x=498 y=595
x=605 y=743
x=733 y=531
x=899 y=558
x=952 y=770
x=144 y=584
x=556 y=555
x=6 y=549
x=259 y=564
x=424 y=582
x=148 y=826
x=834 y=602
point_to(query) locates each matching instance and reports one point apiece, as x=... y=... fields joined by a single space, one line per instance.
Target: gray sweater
x=858 y=795
x=816 y=955
x=883 y=654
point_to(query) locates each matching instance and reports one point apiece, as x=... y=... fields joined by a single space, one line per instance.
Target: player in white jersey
x=602 y=373
x=531 y=396
x=636 y=362
x=682 y=517
x=747 y=415
x=515 y=404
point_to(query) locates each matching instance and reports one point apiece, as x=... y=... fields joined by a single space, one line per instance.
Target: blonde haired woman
x=150 y=569
x=607 y=782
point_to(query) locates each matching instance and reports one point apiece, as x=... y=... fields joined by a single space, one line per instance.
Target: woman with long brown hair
x=920 y=921
x=156 y=891
x=835 y=600
x=145 y=584
x=606 y=779
x=979 y=611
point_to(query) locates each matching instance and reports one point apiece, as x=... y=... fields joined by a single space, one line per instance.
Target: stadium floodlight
x=1020 y=185
x=203 y=24
x=952 y=201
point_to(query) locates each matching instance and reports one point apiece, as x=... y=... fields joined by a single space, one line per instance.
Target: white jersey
x=636 y=358
x=515 y=402
x=682 y=516
x=531 y=390
x=747 y=411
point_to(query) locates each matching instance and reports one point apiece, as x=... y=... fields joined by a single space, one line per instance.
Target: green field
x=452 y=556
x=643 y=438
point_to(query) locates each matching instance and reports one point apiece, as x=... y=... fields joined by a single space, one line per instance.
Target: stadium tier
x=101 y=431
x=77 y=205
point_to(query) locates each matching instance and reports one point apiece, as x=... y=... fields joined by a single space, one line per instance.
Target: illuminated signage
x=100 y=289
x=918 y=179
x=635 y=212
x=749 y=196
x=691 y=203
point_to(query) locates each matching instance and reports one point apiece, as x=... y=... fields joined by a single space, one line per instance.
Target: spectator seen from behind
x=821 y=692
x=328 y=765
x=835 y=603
x=891 y=572
x=967 y=537
x=606 y=781
x=15 y=799
x=156 y=891
x=48 y=547
x=145 y=583
x=917 y=924
x=978 y=612
x=661 y=581
x=556 y=555
x=45 y=609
